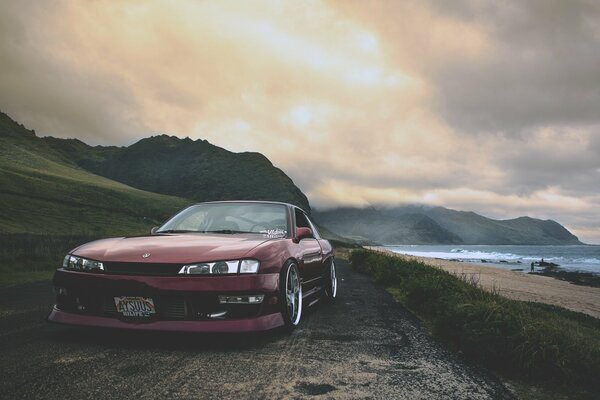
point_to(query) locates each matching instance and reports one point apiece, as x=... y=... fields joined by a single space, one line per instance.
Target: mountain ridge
x=420 y=224
x=42 y=192
x=152 y=164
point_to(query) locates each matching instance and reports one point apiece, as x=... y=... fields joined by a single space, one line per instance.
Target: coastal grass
x=534 y=342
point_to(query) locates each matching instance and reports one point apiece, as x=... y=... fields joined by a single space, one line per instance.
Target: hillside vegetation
x=42 y=191
x=193 y=169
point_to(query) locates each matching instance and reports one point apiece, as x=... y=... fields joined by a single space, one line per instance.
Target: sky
x=486 y=106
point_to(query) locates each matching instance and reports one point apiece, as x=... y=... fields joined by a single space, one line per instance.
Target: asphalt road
x=363 y=346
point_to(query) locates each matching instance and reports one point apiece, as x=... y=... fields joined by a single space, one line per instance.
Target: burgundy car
x=229 y=266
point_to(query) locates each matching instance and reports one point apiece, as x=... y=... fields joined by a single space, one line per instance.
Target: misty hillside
x=439 y=225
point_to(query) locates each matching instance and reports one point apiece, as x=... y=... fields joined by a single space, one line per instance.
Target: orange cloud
x=344 y=96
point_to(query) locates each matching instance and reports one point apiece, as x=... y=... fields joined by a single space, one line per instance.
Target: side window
x=302 y=221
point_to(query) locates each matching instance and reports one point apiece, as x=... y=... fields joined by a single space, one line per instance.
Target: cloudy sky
x=475 y=105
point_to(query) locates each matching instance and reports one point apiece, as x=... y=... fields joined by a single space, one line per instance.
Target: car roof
x=254 y=201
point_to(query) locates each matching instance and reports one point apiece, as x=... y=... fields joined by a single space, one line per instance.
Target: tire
x=291 y=294
x=331 y=282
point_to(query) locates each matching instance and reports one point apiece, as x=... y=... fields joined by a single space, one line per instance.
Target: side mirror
x=153 y=230
x=303 y=233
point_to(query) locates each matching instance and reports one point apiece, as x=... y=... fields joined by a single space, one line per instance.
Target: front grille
x=172 y=308
x=126 y=268
x=108 y=306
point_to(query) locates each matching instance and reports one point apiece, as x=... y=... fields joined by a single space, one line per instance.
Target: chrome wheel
x=293 y=292
x=332 y=281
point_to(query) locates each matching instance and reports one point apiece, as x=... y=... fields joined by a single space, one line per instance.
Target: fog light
x=80 y=307
x=251 y=299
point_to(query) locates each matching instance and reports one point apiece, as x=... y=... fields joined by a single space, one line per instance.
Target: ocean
x=570 y=258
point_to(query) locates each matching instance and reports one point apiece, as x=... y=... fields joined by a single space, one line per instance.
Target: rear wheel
x=291 y=293
x=331 y=282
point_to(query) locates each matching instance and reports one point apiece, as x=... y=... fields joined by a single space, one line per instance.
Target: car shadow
x=183 y=341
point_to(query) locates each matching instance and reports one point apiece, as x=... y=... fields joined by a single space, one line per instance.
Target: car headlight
x=221 y=268
x=76 y=263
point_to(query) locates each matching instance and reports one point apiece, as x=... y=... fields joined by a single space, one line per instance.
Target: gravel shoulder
x=364 y=345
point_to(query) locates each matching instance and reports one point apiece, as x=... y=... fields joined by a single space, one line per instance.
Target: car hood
x=171 y=248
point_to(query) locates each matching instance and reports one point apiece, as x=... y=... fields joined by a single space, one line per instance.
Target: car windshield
x=230 y=218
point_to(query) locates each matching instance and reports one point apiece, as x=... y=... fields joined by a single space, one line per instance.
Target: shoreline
x=518 y=285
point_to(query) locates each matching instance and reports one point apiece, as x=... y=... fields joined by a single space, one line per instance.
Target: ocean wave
x=587 y=261
x=476 y=254
x=458 y=251
x=463 y=255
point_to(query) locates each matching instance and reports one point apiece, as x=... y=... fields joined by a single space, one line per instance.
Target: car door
x=311 y=254
x=326 y=249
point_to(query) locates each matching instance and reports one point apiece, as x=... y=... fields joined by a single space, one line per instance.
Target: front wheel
x=331 y=282
x=291 y=293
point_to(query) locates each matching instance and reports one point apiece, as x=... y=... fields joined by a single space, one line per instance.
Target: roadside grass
x=524 y=341
x=538 y=392
x=30 y=257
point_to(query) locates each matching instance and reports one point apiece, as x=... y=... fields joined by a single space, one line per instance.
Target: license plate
x=135 y=306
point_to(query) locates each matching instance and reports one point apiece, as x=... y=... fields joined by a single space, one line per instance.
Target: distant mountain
x=193 y=169
x=439 y=225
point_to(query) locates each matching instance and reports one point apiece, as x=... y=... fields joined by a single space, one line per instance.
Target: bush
x=524 y=340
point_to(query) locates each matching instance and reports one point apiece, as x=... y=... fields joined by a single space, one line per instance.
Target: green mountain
x=42 y=191
x=193 y=169
x=58 y=186
x=439 y=225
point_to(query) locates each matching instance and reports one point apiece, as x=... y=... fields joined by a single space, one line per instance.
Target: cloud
x=53 y=94
x=543 y=69
x=561 y=157
x=483 y=106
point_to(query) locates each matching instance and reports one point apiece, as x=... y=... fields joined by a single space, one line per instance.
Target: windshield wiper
x=226 y=231
x=175 y=231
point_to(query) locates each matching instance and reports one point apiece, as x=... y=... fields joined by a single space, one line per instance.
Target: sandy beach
x=522 y=286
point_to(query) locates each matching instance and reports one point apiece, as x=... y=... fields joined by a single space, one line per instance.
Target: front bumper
x=260 y=323
x=182 y=303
